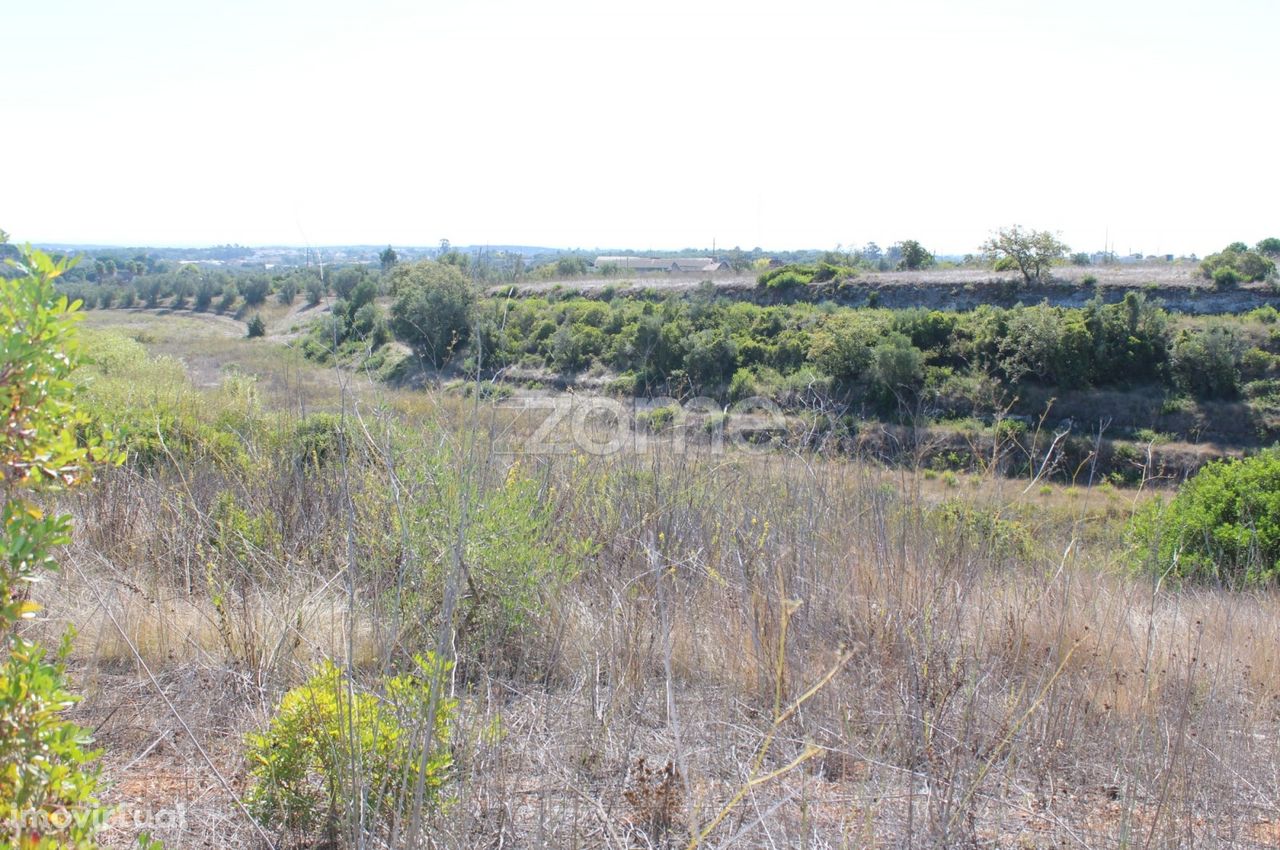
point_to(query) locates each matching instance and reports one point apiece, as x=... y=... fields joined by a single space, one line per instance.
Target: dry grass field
x=675 y=647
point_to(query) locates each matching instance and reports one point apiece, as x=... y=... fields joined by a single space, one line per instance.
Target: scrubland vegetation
x=336 y=596
x=1151 y=383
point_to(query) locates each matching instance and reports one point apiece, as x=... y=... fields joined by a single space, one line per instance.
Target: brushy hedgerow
x=1223 y=526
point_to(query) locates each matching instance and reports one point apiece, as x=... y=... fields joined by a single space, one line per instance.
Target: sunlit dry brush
x=743 y=648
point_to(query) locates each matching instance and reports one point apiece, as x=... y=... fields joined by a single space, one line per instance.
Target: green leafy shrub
x=1207 y=364
x=346 y=280
x=1256 y=363
x=206 y=289
x=825 y=272
x=1226 y=277
x=914 y=256
x=896 y=365
x=742 y=385
x=315 y=290
x=657 y=420
x=1244 y=265
x=1265 y=314
x=230 y=294
x=256 y=327
x=301 y=765
x=1223 y=525
x=182 y=290
x=317 y=439
x=149 y=289
x=784 y=279
x=48 y=445
x=287 y=292
x=1265 y=388
x=1010 y=431
x=795 y=275
x=433 y=309
x=369 y=324
x=255 y=288
x=517 y=558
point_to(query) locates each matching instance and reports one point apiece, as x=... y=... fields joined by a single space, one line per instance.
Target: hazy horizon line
x=714 y=250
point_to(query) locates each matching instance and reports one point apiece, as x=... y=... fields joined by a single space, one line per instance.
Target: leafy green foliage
x=256 y=327
x=230 y=293
x=315 y=290
x=516 y=556
x=896 y=365
x=206 y=290
x=255 y=289
x=301 y=765
x=433 y=309
x=796 y=275
x=698 y=346
x=287 y=291
x=1032 y=252
x=914 y=256
x=355 y=327
x=1226 y=277
x=318 y=439
x=1223 y=526
x=1236 y=263
x=46 y=444
x=1207 y=364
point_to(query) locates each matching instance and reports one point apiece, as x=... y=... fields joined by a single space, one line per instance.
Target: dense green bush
x=433 y=309
x=300 y=767
x=345 y=281
x=370 y=325
x=1207 y=364
x=150 y=290
x=318 y=439
x=796 y=275
x=255 y=288
x=706 y=342
x=783 y=279
x=1226 y=277
x=206 y=290
x=287 y=292
x=896 y=366
x=517 y=558
x=1247 y=265
x=315 y=290
x=46 y=447
x=914 y=256
x=1223 y=526
x=230 y=294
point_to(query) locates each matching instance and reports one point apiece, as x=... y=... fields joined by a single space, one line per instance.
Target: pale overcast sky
x=640 y=125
